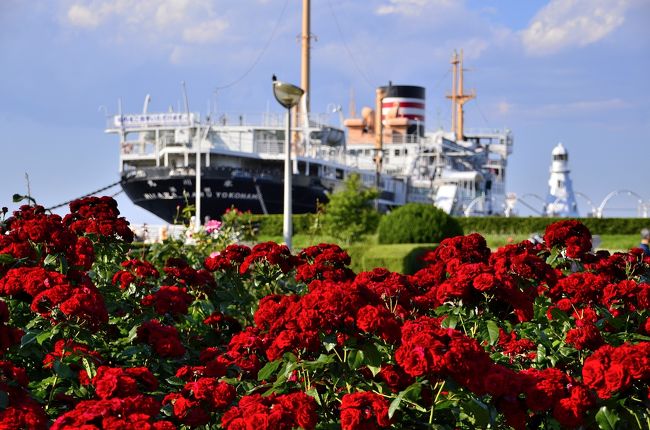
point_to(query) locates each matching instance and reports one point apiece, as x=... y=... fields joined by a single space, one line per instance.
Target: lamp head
x=287 y=95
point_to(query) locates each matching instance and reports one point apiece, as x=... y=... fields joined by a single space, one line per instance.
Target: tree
x=349 y=214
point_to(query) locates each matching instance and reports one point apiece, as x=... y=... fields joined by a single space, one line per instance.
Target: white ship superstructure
x=241 y=156
x=463 y=171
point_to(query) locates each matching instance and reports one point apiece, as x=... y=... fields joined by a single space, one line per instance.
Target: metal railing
x=269 y=146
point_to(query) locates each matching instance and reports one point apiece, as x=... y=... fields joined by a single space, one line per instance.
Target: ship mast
x=458 y=97
x=301 y=118
x=305 y=60
x=454 y=65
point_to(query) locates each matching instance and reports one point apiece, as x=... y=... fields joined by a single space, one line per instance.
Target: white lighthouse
x=560 y=201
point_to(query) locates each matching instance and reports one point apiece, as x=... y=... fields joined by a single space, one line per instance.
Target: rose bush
x=97 y=334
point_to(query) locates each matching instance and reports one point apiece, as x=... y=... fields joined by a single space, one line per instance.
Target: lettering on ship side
x=207 y=192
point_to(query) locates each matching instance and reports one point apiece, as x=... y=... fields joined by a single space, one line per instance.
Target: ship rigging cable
x=261 y=54
x=481 y=112
x=87 y=195
x=347 y=48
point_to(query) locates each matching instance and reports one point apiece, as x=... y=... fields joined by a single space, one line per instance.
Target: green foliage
x=417 y=223
x=519 y=228
x=271 y=225
x=238 y=226
x=527 y=226
x=402 y=258
x=235 y=226
x=350 y=213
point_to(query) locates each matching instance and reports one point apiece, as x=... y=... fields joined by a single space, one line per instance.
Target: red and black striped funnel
x=407 y=101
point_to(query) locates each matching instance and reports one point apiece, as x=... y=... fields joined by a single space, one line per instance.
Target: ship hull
x=165 y=194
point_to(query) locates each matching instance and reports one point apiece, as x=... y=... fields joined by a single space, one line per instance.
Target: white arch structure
x=470 y=206
x=594 y=210
x=529 y=206
x=608 y=197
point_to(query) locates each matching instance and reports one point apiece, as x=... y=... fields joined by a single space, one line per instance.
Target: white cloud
x=205 y=32
x=413 y=7
x=82 y=16
x=564 y=24
x=171 y=26
x=193 y=21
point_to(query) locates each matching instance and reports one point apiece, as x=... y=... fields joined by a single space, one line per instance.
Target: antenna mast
x=458 y=97
x=306 y=36
x=454 y=65
x=302 y=118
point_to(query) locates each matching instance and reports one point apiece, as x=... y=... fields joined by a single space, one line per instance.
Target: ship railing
x=267 y=119
x=269 y=146
x=328 y=153
x=403 y=138
x=486 y=131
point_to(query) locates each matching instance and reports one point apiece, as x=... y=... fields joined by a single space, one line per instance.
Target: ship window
x=406 y=151
x=339 y=174
x=397 y=153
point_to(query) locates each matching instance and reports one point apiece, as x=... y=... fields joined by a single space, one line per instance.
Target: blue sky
x=571 y=71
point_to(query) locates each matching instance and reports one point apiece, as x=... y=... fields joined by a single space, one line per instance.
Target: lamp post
x=288 y=96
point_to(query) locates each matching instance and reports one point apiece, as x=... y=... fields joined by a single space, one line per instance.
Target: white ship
x=241 y=159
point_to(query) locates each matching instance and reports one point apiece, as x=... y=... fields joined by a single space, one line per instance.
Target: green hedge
x=499 y=225
x=417 y=223
x=271 y=225
x=403 y=258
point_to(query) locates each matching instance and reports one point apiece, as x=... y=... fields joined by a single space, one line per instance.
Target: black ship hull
x=165 y=192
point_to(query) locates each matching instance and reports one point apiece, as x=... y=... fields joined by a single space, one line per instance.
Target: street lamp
x=288 y=96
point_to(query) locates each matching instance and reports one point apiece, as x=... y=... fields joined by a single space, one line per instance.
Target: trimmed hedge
x=271 y=225
x=500 y=225
x=403 y=258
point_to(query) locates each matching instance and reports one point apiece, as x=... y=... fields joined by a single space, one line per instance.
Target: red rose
x=617 y=378
x=364 y=410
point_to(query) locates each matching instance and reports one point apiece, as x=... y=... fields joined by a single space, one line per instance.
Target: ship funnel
x=404 y=105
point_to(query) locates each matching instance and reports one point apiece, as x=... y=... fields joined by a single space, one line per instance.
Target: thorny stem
x=435 y=401
x=56 y=380
x=462 y=322
x=337 y=355
x=442 y=385
x=308 y=380
x=51 y=397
